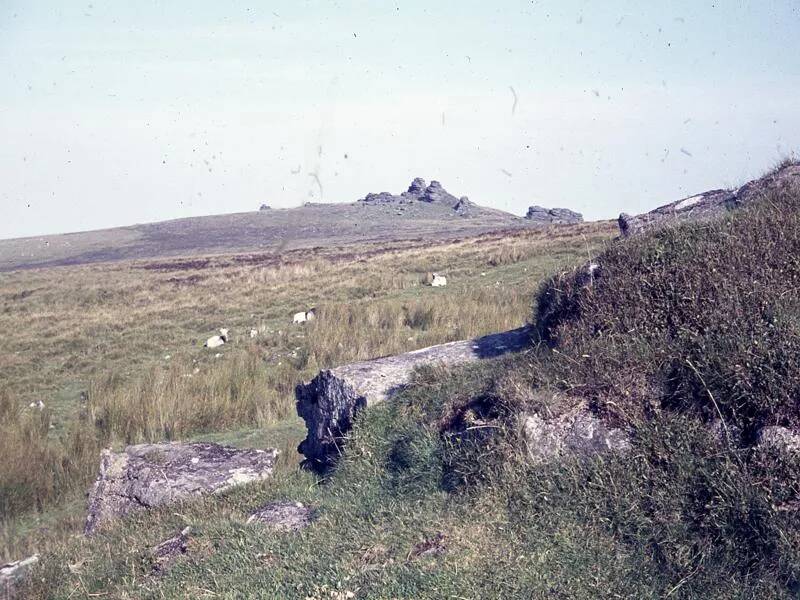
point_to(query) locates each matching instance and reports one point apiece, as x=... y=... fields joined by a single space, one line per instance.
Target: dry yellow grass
x=115 y=351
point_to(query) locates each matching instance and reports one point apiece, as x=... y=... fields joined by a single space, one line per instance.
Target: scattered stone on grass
x=150 y=475
x=283 y=516
x=169 y=550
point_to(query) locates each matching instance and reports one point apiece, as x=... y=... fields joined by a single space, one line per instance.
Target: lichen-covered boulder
x=150 y=475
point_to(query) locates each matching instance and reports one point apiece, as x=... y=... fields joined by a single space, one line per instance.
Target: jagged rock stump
x=150 y=475
x=169 y=550
x=330 y=401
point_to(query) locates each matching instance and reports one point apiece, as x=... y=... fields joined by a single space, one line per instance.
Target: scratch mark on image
x=315 y=177
x=504 y=172
x=686 y=152
x=516 y=99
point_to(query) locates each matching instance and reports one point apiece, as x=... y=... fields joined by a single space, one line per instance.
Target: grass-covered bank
x=413 y=513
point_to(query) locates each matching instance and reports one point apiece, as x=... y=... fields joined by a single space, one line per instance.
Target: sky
x=118 y=112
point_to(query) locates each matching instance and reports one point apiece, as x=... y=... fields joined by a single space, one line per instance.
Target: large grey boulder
x=577 y=432
x=13 y=574
x=712 y=204
x=150 y=475
x=329 y=402
x=553 y=216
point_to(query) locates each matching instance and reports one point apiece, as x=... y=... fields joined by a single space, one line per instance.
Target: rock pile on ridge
x=548 y=216
x=419 y=191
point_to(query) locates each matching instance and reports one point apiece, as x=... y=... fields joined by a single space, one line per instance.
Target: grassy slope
x=106 y=330
x=687 y=514
x=306 y=226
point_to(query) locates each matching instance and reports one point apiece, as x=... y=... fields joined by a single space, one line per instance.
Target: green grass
x=679 y=517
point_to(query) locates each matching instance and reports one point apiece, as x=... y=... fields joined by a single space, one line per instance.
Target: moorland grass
x=115 y=351
x=680 y=328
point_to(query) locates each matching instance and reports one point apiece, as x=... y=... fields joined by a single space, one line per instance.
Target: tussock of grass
x=35 y=469
x=172 y=402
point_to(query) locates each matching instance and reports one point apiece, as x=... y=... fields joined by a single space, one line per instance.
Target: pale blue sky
x=117 y=112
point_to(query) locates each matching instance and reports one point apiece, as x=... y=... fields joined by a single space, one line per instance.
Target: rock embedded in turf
x=151 y=475
x=575 y=433
x=712 y=204
x=779 y=438
x=329 y=402
x=283 y=516
x=167 y=551
x=14 y=573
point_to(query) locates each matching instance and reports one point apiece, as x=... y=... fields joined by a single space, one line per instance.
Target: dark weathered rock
x=330 y=401
x=417 y=187
x=464 y=206
x=575 y=433
x=265 y=207
x=550 y=216
x=283 y=516
x=167 y=551
x=436 y=193
x=710 y=205
x=13 y=574
x=151 y=475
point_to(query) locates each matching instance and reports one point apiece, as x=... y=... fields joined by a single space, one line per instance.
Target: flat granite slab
x=150 y=475
x=329 y=402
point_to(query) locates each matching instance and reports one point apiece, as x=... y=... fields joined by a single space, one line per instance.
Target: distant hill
x=421 y=212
